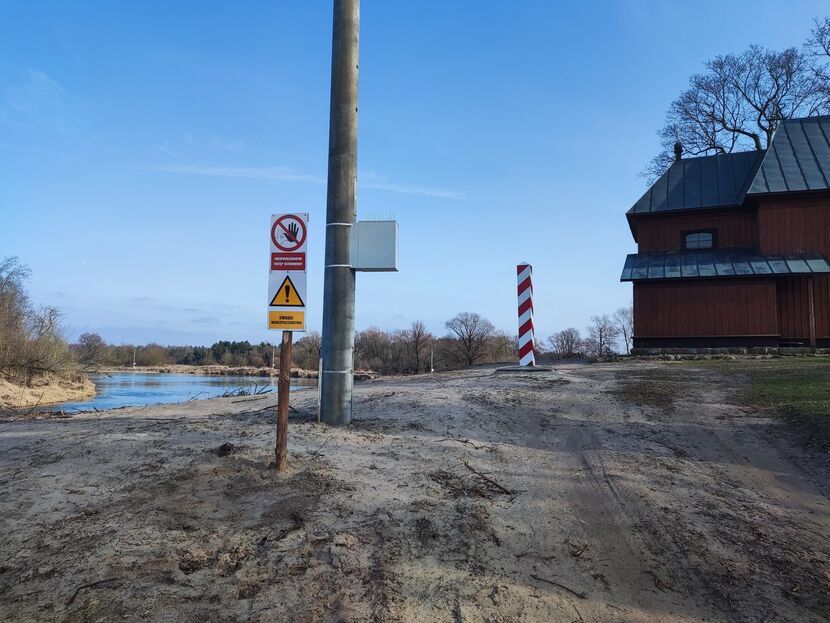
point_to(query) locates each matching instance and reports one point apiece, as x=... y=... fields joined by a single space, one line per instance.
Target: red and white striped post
x=527 y=341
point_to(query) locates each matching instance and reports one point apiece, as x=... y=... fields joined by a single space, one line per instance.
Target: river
x=134 y=389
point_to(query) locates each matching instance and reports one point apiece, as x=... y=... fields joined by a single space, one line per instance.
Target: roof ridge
x=806 y=167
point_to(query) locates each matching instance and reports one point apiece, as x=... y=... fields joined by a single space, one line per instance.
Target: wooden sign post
x=286 y=306
x=283 y=389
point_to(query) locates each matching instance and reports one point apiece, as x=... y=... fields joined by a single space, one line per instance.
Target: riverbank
x=210 y=370
x=45 y=390
x=222 y=370
x=638 y=492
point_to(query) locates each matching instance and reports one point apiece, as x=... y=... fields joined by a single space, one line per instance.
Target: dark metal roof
x=798 y=157
x=718 y=263
x=706 y=182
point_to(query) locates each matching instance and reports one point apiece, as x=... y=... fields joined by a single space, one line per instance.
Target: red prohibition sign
x=297 y=235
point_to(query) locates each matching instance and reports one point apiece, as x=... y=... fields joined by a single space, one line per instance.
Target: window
x=699 y=240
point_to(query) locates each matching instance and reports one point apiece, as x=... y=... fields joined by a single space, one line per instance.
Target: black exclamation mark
x=287 y=292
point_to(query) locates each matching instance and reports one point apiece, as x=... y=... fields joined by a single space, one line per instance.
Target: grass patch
x=796 y=388
x=802 y=391
x=789 y=385
x=655 y=388
x=646 y=393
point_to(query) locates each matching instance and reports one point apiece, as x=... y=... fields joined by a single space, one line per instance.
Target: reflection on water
x=133 y=389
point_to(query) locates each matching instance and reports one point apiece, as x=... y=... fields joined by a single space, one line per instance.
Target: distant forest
x=470 y=340
x=389 y=352
x=33 y=343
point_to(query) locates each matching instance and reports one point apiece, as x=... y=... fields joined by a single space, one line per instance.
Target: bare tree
x=602 y=334
x=472 y=333
x=503 y=347
x=818 y=49
x=624 y=318
x=819 y=41
x=308 y=349
x=31 y=341
x=737 y=104
x=14 y=312
x=418 y=338
x=90 y=349
x=566 y=343
x=398 y=354
x=46 y=350
x=156 y=355
x=372 y=348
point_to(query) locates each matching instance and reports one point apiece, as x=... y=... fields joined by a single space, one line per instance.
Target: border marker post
x=527 y=339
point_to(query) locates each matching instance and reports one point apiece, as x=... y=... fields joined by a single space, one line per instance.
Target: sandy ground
x=45 y=390
x=553 y=497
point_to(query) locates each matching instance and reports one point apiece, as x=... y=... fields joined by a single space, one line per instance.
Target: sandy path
x=597 y=508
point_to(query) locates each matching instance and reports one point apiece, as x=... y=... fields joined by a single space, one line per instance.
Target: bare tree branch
x=737 y=103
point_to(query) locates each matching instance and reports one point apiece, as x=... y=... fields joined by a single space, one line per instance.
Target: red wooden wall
x=716 y=307
x=778 y=225
x=794 y=225
x=822 y=297
x=735 y=229
x=794 y=310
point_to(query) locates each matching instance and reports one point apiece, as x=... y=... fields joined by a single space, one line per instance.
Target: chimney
x=678 y=151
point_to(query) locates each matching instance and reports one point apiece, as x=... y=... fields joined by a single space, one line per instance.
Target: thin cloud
x=206 y=320
x=286 y=174
x=31 y=99
x=374 y=181
x=222 y=144
x=276 y=174
x=441 y=193
x=35 y=90
x=167 y=150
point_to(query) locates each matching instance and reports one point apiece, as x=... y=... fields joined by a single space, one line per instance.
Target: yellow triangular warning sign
x=287 y=295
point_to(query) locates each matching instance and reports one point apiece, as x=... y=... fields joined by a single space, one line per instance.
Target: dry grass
x=45 y=389
x=650 y=388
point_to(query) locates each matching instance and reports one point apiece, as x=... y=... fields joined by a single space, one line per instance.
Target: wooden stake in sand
x=283 y=389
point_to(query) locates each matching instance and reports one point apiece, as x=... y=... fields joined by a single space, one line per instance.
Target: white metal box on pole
x=374 y=246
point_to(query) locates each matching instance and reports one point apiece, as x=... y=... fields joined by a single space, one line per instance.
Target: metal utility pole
x=339 y=283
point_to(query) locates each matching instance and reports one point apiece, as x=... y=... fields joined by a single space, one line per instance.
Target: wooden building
x=733 y=248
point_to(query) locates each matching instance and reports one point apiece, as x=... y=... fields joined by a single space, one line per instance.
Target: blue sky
x=144 y=145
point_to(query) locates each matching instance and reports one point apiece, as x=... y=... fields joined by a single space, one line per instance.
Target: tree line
x=33 y=343
x=470 y=340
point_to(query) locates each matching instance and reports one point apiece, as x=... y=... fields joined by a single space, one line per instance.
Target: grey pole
x=339 y=284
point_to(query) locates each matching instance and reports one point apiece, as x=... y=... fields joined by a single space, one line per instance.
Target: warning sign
x=287 y=272
x=287 y=295
x=286 y=320
x=289 y=232
x=288 y=261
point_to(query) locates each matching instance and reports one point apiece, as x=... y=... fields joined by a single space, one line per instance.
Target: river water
x=133 y=389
